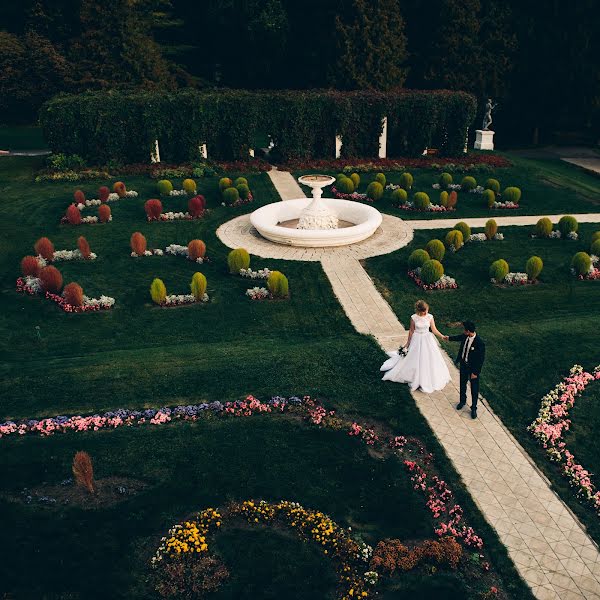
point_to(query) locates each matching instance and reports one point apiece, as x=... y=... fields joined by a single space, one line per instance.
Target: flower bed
x=505 y=205
x=553 y=422
x=457 y=187
x=557 y=235
x=152 y=252
x=260 y=274
x=408 y=205
x=593 y=274
x=180 y=299
x=444 y=283
x=481 y=237
x=514 y=279
x=178 y=250
x=258 y=293
x=353 y=196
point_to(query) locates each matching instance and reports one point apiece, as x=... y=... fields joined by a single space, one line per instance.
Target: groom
x=470 y=358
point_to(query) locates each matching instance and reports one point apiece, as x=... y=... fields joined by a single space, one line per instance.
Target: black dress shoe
x=473 y=413
x=460 y=405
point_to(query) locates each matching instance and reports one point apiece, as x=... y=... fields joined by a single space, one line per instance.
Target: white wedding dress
x=423 y=366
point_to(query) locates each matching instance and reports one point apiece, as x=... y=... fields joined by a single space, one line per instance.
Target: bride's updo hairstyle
x=421 y=307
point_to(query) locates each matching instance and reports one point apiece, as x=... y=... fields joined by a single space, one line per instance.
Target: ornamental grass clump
x=489 y=197
x=468 y=184
x=491 y=229
x=355 y=180
x=345 y=185
x=83 y=247
x=581 y=263
x=595 y=247
x=464 y=229
x=238 y=259
x=277 y=283
x=543 y=228
x=30 y=266
x=189 y=185
x=421 y=201
x=417 y=259
x=103 y=193
x=567 y=225
x=83 y=471
x=138 y=243
x=243 y=190
x=51 y=280
x=158 y=291
x=230 y=196
x=120 y=189
x=164 y=187
x=79 y=197
x=499 y=270
x=45 y=248
x=225 y=183
x=454 y=239
x=533 y=267
x=511 y=194
x=595 y=236
x=452 y=199
x=153 y=208
x=198 y=286
x=444 y=198
x=73 y=215
x=73 y=294
x=406 y=181
x=400 y=196
x=104 y=213
x=380 y=177
x=197 y=205
x=436 y=249
x=375 y=190
x=493 y=185
x=196 y=249
x=431 y=271
x=445 y=179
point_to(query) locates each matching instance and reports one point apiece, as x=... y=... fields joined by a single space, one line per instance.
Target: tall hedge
x=122 y=125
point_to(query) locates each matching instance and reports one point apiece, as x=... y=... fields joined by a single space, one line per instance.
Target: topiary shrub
x=30 y=266
x=567 y=224
x=198 y=286
x=417 y=259
x=73 y=294
x=543 y=228
x=73 y=215
x=400 y=196
x=499 y=270
x=374 y=190
x=464 y=229
x=581 y=262
x=421 y=201
x=120 y=189
x=431 y=271
x=230 y=196
x=278 y=285
x=103 y=193
x=492 y=184
x=83 y=247
x=189 y=185
x=468 y=183
x=196 y=249
x=489 y=197
x=595 y=236
x=225 y=183
x=444 y=198
x=380 y=177
x=153 y=209
x=533 y=267
x=445 y=179
x=455 y=239
x=196 y=205
x=452 y=199
x=345 y=185
x=243 y=191
x=238 y=259
x=104 y=213
x=355 y=180
x=164 y=187
x=436 y=249
x=51 y=280
x=79 y=197
x=406 y=181
x=595 y=247
x=45 y=248
x=512 y=194
x=491 y=229
x=158 y=291
x=340 y=176
x=138 y=243
x=240 y=181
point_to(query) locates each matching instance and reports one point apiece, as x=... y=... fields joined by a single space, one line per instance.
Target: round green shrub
x=355 y=180
x=454 y=238
x=421 y=201
x=381 y=178
x=374 y=190
x=340 y=176
x=278 y=284
x=164 y=186
x=595 y=236
x=345 y=185
x=400 y=196
x=511 y=194
x=595 y=247
x=491 y=229
x=238 y=259
x=243 y=190
x=533 y=267
x=445 y=179
x=567 y=224
x=225 y=183
x=230 y=196
x=240 y=181
x=492 y=184
x=436 y=249
x=464 y=229
x=489 y=197
x=189 y=185
x=406 y=181
x=198 y=285
x=468 y=183
x=444 y=198
x=499 y=270
x=581 y=262
x=543 y=228
x=158 y=291
x=431 y=271
x=417 y=259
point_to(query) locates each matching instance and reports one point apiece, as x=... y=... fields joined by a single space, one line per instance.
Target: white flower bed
x=258 y=293
x=112 y=197
x=174 y=216
x=153 y=252
x=62 y=255
x=513 y=279
x=260 y=274
x=35 y=283
x=178 y=250
x=456 y=187
x=481 y=237
x=102 y=302
x=504 y=205
x=177 y=193
x=179 y=299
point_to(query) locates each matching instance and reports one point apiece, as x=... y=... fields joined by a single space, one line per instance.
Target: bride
x=423 y=366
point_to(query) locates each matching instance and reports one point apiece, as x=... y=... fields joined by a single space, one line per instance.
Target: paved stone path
x=287 y=187
x=589 y=164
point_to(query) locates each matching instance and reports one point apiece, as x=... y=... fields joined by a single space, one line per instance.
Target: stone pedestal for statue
x=484 y=139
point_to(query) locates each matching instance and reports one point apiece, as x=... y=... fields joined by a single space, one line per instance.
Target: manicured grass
x=534 y=334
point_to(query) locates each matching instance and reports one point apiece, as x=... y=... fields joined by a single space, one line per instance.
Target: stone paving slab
x=589 y=164
x=287 y=187
x=502 y=221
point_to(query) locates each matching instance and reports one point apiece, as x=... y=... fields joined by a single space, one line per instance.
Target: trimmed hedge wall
x=120 y=125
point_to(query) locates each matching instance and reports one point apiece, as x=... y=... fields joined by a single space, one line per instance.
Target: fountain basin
x=360 y=221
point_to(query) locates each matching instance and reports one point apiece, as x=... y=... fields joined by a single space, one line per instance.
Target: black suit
x=469 y=365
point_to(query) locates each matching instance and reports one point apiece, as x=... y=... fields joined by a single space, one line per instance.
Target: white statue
x=487 y=117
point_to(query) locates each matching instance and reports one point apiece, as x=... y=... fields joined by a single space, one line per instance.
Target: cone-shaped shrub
x=581 y=262
x=51 y=279
x=196 y=249
x=452 y=199
x=30 y=266
x=138 y=243
x=45 y=248
x=73 y=215
x=595 y=236
x=83 y=471
x=196 y=205
x=79 y=197
x=238 y=259
x=491 y=229
x=468 y=183
x=153 y=209
x=454 y=238
x=444 y=198
x=355 y=180
x=533 y=267
x=120 y=189
x=231 y=196
x=278 y=284
x=189 y=185
x=103 y=193
x=445 y=179
x=198 y=286
x=240 y=181
x=512 y=194
x=492 y=184
x=431 y=271
x=243 y=190
x=464 y=229
x=164 y=187
x=345 y=185
x=489 y=196
x=374 y=190
x=104 y=213
x=83 y=246
x=73 y=294
x=406 y=181
x=417 y=259
x=421 y=201
x=158 y=291
x=225 y=183
x=436 y=249
x=380 y=177
x=568 y=224
x=499 y=270
x=595 y=247
x=400 y=196
x=543 y=228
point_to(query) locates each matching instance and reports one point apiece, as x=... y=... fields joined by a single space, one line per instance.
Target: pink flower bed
x=353 y=196
x=594 y=274
x=444 y=283
x=431 y=208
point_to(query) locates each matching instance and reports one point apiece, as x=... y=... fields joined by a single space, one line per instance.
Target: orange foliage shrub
x=104 y=213
x=196 y=206
x=51 y=279
x=103 y=193
x=83 y=246
x=83 y=471
x=45 y=248
x=73 y=294
x=119 y=188
x=138 y=243
x=73 y=215
x=153 y=209
x=452 y=199
x=196 y=249
x=79 y=197
x=30 y=266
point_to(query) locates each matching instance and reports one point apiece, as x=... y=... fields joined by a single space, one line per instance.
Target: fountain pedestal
x=317 y=215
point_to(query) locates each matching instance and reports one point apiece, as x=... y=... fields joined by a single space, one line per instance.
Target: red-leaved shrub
x=196 y=249
x=73 y=215
x=452 y=199
x=104 y=213
x=79 y=197
x=103 y=193
x=51 y=279
x=45 y=248
x=30 y=266
x=196 y=205
x=83 y=246
x=153 y=209
x=73 y=294
x=138 y=243
x=119 y=188
x=83 y=471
